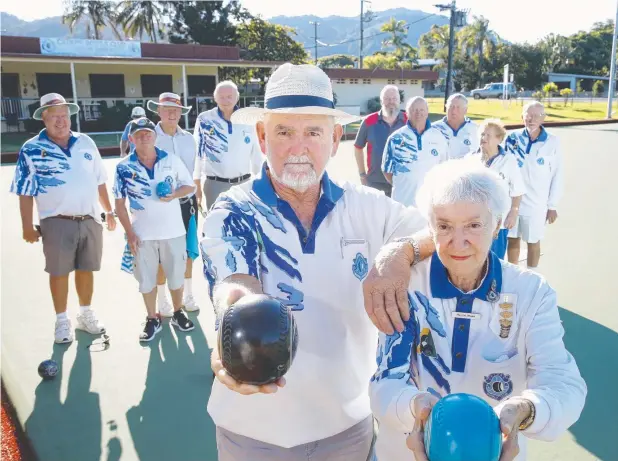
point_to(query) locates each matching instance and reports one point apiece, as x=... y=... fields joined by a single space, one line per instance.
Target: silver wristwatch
x=415 y=246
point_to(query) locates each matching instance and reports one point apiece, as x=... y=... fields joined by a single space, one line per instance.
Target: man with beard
x=296 y=235
x=373 y=133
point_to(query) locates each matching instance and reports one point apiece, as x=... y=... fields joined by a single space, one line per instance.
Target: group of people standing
x=64 y=172
x=358 y=268
x=402 y=147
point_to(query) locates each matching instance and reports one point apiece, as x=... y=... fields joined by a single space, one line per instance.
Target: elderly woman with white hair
x=477 y=325
x=493 y=156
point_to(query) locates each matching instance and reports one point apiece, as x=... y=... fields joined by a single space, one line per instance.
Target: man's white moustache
x=295 y=159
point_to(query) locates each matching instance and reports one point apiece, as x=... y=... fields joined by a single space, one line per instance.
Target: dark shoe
x=180 y=321
x=153 y=326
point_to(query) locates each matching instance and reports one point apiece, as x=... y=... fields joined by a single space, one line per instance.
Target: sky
x=515 y=21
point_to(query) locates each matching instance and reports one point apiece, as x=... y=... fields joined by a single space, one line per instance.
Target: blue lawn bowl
x=463 y=427
x=164 y=189
x=48 y=369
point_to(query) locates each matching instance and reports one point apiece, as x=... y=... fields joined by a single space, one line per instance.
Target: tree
x=206 y=23
x=139 y=17
x=434 y=44
x=566 y=93
x=259 y=40
x=549 y=89
x=337 y=61
x=398 y=31
x=96 y=15
x=597 y=87
x=385 y=61
x=478 y=39
x=557 y=51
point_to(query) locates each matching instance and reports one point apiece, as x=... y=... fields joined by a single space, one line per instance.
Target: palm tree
x=557 y=51
x=96 y=15
x=398 y=31
x=477 y=37
x=434 y=44
x=139 y=17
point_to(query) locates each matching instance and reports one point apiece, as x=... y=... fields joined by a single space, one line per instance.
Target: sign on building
x=90 y=48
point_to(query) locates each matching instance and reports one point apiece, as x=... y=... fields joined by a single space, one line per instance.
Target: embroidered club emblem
x=87 y=156
x=467 y=142
x=492 y=294
x=540 y=161
x=434 y=152
x=360 y=267
x=498 y=385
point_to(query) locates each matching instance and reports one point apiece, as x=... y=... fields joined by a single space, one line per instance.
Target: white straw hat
x=51 y=100
x=170 y=100
x=296 y=89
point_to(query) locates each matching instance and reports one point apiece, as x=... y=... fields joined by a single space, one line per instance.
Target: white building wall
x=349 y=94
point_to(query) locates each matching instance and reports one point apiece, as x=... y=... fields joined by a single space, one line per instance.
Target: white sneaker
x=64 y=331
x=88 y=322
x=190 y=304
x=165 y=307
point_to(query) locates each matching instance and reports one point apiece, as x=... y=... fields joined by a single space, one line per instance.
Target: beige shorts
x=530 y=229
x=170 y=253
x=71 y=245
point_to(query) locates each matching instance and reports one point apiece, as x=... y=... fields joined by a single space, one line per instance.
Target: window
x=366 y=81
x=402 y=82
x=340 y=81
x=154 y=85
x=10 y=85
x=391 y=81
x=107 y=85
x=201 y=84
x=55 y=83
x=413 y=82
x=354 y=81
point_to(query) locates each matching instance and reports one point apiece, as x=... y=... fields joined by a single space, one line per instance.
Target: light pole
x=612 y=68
x=456 y=20
x=315 y=37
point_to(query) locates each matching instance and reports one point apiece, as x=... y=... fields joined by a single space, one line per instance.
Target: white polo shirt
x=62 y=181
x=506 y=166
x=225 y=149
x=250 y=230
x=181 y=144
x=540 y=162
x=461 y=141
x=152 y=218
x=408 y=156
x=512 y=346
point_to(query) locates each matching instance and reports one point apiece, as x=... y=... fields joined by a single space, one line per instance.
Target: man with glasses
x=538 y=155
x=412 y=151
x=373 y=133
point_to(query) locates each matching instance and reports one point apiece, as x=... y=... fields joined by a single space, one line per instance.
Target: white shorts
x=530 y=229
x=170 y=253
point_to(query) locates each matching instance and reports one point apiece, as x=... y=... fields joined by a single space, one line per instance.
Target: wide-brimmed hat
x=52 y=100
x=169 y=100
x=141 y=124
x=296 y=89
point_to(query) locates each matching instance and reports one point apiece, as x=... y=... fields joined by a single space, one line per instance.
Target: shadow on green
x=594 y=347
x=171 y=421
x=70 y=430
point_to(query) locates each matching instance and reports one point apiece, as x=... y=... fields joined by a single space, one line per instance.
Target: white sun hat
x=296 y=89
x=138 y=111
x=169 y=100
x=51 y=100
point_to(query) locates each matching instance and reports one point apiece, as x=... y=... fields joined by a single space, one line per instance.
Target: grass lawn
x=12 y=142
x=511 y=112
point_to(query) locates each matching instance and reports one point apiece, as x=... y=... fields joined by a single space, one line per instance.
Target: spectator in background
x=373 y=133
x=125 y=144
x=460 y=131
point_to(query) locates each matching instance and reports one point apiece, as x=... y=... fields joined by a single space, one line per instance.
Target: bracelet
x=415 y=246
x=526 y=423
x=362 y=175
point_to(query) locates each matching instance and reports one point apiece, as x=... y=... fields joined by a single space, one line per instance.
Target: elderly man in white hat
x=125 y=144
x=228 y=151
x=63 y=171
x=174 y=140
x=297 y=235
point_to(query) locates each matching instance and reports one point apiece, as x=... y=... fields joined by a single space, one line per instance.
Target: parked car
x=493 y=90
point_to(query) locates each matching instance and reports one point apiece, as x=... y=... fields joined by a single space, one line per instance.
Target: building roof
x=30 y=48
x=382 y=73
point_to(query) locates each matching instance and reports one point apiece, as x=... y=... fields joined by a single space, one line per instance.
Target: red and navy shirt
x=373 y=132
